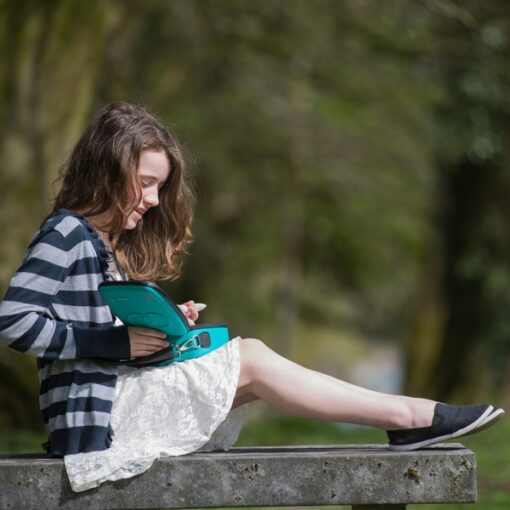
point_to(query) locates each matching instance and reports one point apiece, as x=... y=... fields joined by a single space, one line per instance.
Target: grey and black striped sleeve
x=28 y=322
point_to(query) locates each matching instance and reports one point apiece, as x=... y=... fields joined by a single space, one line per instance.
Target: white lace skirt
x=165 y=411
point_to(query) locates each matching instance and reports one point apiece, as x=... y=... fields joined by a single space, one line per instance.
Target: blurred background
x=352 y=167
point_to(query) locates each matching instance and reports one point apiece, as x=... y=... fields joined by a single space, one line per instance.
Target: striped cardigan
x=52 y=310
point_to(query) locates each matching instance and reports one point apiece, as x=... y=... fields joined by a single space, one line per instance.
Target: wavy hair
x=101 y=175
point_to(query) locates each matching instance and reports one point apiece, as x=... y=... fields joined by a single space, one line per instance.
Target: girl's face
x=153 y=172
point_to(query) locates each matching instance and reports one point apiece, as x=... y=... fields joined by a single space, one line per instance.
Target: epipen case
x=146 y=305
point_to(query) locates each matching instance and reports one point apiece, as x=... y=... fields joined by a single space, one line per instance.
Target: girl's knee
x=252 y=346
x=253 y=353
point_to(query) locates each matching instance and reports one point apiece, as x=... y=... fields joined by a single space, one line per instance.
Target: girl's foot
x=448 y=422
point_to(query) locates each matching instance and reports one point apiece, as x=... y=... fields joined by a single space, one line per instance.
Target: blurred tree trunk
x=446 y=359
x=461 y=364
x=461 y=346
x=50 y=52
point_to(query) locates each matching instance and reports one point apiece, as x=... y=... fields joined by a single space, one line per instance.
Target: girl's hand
x=145 y=341
x=191 y=313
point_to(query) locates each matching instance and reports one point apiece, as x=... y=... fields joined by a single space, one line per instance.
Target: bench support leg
x=379 y=507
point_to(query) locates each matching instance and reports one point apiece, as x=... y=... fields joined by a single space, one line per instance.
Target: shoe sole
x=483 y=421
x=495 y=416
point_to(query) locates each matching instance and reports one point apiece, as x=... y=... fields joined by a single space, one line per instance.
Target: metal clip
x=192 y=343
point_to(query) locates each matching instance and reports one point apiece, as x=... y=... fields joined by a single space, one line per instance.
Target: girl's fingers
x=192 y=312
x=135 y=353
x=150 y=345
x=143 y=352
x=144 y=341
x=148 y=332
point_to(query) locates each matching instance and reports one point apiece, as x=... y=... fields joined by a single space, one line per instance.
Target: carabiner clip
x=192 y=343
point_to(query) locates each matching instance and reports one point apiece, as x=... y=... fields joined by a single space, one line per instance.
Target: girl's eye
x=145 y=184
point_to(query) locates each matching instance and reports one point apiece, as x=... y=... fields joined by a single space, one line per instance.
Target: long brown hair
x=101 y=175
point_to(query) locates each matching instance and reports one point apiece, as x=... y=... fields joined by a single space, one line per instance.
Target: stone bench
x=364 y=476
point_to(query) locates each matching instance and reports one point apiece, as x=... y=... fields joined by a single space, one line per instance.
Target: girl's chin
x=130 y=224
x=132 y=221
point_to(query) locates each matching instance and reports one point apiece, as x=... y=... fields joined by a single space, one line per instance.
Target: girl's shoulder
x=64 y=229
x=65 y=238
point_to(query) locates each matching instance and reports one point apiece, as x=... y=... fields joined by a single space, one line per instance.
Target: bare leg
x=298 y=391
x=243 y=398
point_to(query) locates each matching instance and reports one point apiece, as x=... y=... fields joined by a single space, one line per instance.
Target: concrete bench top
x=358 y=475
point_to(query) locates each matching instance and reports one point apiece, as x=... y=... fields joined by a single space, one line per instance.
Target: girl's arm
x=43 y=283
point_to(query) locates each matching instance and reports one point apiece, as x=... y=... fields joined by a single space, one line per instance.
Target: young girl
x=124 y=210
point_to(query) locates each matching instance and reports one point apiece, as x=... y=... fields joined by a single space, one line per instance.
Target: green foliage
x=330 y=144
x=20 y=441
x=305 y=135
x=273 y=429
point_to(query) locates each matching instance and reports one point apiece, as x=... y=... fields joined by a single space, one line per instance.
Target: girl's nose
x=151 y=200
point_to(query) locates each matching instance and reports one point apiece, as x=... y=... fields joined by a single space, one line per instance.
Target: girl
x=124 y=210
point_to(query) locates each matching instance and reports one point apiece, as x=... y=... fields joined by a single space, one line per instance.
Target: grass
x=20 y=441
x=492 y=448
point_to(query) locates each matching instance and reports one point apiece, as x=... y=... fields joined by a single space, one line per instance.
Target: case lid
x=144 y=304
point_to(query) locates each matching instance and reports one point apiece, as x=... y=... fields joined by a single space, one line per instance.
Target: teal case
x=144 y=304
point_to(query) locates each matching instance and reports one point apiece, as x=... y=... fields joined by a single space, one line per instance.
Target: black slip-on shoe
x=448 y=422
